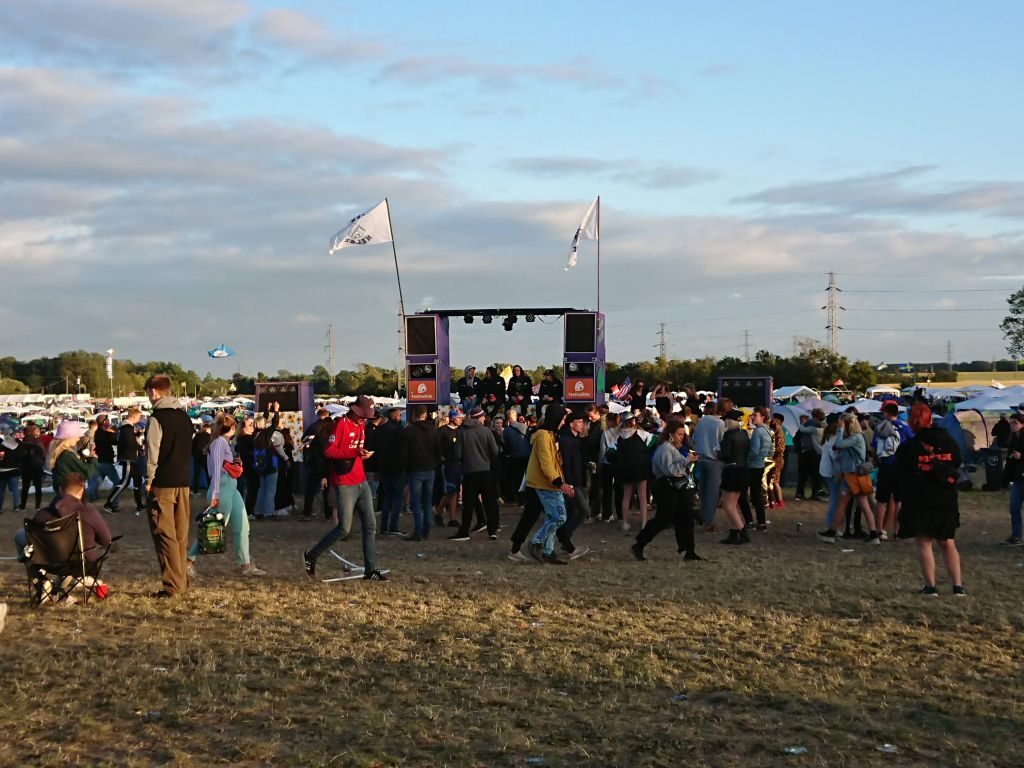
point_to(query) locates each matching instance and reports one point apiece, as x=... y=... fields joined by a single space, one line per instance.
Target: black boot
x=732 y=538
x=638 y=551
x=743 y=538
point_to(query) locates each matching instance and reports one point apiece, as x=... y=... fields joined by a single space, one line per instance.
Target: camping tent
x=809 y=405
x=866 y=405
x=996 y=403
x=882 y=389
x=797 y=393
x=790 y=417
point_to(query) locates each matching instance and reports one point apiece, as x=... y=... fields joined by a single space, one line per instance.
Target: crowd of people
x=700 y=463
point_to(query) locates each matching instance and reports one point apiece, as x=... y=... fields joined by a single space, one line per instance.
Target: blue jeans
x=421 y=496
x=348 y=498
x=1016 y=502
x=265 y=497
x=709 y=482
x=554 y=517
x=833 y=484
x=392 y=492
x=105 y=470
x=12 y=482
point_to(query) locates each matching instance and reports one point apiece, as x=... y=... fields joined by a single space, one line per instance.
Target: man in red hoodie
x=345 y=453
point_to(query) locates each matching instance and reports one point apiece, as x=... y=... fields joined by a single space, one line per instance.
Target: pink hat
x=68 y=430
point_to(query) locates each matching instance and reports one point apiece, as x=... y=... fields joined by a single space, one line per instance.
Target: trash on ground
x=795 y=750
x=680 y=697
x=889 y=749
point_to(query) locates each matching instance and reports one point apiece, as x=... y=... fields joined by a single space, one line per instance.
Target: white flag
x=368 y=228
x=588 y=230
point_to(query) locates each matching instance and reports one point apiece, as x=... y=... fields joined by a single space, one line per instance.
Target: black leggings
x=754 y=477
x=675 y=508
x=32 y=478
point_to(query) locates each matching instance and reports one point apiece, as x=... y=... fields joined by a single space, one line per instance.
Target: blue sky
x=173 y=171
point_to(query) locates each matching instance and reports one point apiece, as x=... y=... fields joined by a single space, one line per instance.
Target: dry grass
x=466 y=659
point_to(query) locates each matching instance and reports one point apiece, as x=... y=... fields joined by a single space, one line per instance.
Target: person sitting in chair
x=95 y=533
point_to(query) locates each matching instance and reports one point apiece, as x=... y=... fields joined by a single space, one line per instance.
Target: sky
x=173 y=170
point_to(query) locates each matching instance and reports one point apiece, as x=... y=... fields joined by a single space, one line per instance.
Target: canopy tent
x=811 y=403
x=882 y=389
x=941 y=392
x=790 y=417
x=797 y=393
x=978 y=389
x=977 y=432
x=992 y=403
x=866 y=405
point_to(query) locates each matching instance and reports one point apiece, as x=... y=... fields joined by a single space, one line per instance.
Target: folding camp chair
x=56 y=561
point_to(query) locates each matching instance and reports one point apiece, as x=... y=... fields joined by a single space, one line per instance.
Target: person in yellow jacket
x=544 y=475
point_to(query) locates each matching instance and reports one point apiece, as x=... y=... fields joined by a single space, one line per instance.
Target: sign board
x=579 y=390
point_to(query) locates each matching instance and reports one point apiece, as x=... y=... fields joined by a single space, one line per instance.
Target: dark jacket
x=517 y=442
x=735 y=447
x=168 y=445
x=552 y=389
x=492 y=387
x=592 y=442
x=95 y=533
x=519 y=390
x=389 y=444
x=424 y=446
x=33 y=456
x=106 y=442
x=127 y=445
x=244 y=449
x=479 y=447
x=10 y=464
x=319 y=432
x=468 y=389
x=451 y=444
x=1013 y=470
x=200 y=442
x=571 y=448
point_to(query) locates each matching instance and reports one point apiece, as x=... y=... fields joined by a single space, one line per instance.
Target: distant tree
x=13 y=387
x=1013 y=326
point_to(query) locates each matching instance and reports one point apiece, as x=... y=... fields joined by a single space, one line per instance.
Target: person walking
x=168 y=455
x=544 y=474
x=451 y=453
x=128 y=458
x=423 y=443
x=223 y=495
x=632 y=466
x=675 y=493
x=346 y=452
x=106 y=445
x=571 y=440
x=479 y=495
x=927 y=468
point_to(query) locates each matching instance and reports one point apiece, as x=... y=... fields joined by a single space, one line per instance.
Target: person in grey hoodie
x=762 y=445
x=810 y=433
x=479 y=450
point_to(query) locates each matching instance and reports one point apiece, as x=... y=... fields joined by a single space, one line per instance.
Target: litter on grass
x=680 y=697
x=889 y=749
x=795 y=750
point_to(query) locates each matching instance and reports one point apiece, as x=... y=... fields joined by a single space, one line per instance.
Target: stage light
x=509 y=321
x=487 y=319
x=530 y=318
x=467 y=319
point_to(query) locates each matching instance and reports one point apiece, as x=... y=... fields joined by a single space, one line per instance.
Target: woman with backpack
x=927 y=468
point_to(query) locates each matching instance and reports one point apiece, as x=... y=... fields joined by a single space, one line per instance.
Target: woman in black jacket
x=519 y=391
x=733 y=452
x=927 y=470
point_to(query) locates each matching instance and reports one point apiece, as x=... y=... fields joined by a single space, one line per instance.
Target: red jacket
x=344 y=443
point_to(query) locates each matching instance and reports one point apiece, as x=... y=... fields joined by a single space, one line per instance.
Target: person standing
x=33 y=462
x=168 y=456
x=1013 y=476
x=632 y=466
x=734 y=452
x=346 y=452
x=592 y=458
x=889 y=435
x=451 y=453
x=577 y=508
x=223 y=494
x=392 y=452
x=762 y=445
x=675 y=493
x=517 y=452
x=127 y=457
x=424 y=457
x=200 y=442
x=106 y=444
x=852 y=451
x=245 y=450
x=707 y=438
x=10 y=469
x=810 y=454
x=927 y=468
x=638 y=397
x=611 y=489
x=519 y=390
x=774 y=476
x=479 y=496
x=314 y=440
x=1001 y=432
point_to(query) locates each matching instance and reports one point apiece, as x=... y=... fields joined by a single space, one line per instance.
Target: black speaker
x=419 y=334
x=581 y=333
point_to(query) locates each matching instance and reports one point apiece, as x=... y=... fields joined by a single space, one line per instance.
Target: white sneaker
x=517 y=557
x=625 y=525
x=252 y=570
x=579 y=552
x=282 y=513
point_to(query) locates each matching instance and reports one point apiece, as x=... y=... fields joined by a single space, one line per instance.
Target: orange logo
x=580 y=389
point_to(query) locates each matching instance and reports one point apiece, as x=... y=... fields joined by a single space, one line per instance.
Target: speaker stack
x=584 y=358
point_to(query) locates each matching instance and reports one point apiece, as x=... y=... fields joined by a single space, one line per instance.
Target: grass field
x=467 y=659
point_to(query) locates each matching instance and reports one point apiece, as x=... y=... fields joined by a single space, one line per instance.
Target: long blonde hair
x=57 y=447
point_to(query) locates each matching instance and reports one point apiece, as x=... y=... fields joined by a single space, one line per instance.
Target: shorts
x=734 y=479
x=452 y=478
x=887 y=486
x=859 y=485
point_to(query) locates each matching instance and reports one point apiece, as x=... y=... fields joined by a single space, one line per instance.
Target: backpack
x=264 y=460
x=886 y=449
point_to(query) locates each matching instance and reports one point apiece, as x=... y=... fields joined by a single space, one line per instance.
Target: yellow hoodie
x=544 y=472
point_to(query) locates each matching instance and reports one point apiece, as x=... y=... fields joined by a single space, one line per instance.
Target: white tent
x=816 y=402
x=991 y=403
x=867 y=405
x=790 y=417
x=798 y=393
x=882 y=389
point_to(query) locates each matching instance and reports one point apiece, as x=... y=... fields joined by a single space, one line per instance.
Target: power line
x=922 y=330
x=929 y=309
x=930 y=290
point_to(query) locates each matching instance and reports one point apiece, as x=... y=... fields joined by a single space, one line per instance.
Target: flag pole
x=401 y=301
x=599 y=253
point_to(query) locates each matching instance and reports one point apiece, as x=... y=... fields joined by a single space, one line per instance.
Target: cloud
x=626 y=171
x=891 y=192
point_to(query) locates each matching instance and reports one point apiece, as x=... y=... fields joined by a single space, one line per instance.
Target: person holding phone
x=345 y=453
